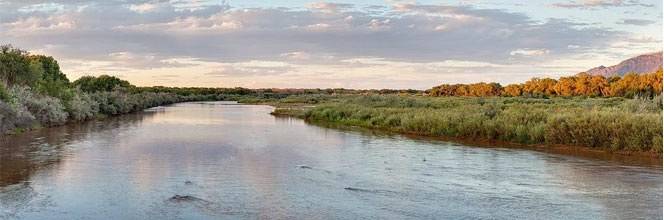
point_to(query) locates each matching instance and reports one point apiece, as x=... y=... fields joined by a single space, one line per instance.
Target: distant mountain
x=646 y=63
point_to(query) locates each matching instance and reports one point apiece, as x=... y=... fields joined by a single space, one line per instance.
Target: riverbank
x=641 y=159
x=616 y=125
x=26 y=110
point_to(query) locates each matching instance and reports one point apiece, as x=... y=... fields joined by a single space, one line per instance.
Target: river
x=217 y=160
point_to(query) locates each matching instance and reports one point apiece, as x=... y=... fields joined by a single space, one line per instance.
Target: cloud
x=329 y=7
x=216 y=32
x=230 y=71
x=32 y=25
x=206 y=39
x=298 y=55
x=167 y=76
x=600 y=3
x=247 y=69
x=530 y=52
x=638 y=22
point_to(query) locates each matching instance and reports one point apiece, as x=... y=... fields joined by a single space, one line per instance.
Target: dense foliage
x=580 y=85
x=103 y=83
x=35 y=93
x=612 y=124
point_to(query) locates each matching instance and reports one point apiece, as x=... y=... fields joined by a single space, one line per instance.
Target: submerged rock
x=185 y=198
x=357 y=189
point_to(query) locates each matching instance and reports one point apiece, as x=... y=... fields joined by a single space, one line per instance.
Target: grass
x=612 y=124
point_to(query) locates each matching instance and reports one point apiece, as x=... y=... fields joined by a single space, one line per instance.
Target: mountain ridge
x=645 y=63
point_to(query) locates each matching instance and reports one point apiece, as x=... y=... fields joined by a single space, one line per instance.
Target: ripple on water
x=215 y=161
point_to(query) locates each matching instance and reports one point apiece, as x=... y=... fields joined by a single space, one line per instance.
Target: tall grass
x=610 y=124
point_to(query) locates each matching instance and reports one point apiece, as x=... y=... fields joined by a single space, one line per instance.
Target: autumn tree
x=484 y=89
x=598 y=85
x=512 y=90
x=537 y=86
x=624 y=86
x=580 y=85
x=565 y=86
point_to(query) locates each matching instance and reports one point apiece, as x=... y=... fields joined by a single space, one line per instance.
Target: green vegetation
x=614 y=124
x=103 y=83
x=35 y=93
x=625 y=116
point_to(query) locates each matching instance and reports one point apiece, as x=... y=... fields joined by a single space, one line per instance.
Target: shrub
x=4 y=95
x=82 y=107
x=13 y=116
x=613 y=124
x=46 y=110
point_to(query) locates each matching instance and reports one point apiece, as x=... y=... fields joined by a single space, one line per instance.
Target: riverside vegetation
x=613 y=124
x=614 y=114
x=35 y=93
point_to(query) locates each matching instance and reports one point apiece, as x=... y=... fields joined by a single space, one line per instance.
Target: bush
x=82 y=107
x=15 y=116
x=4 y=95
x=46 y=110
x=612 y=124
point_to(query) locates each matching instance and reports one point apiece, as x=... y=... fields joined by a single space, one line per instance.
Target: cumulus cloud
x=639 y=22
x=217 y=32
x=190 y=36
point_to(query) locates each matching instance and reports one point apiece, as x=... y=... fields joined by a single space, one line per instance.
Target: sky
x=368 y=44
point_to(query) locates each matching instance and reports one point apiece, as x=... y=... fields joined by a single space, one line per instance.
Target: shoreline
x=630 y=157
x=641 y=159
x=633 y=157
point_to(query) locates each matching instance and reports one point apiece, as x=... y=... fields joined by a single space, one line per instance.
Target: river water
x=216 y=160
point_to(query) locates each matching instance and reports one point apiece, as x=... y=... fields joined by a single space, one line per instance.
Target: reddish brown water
x=217 y=161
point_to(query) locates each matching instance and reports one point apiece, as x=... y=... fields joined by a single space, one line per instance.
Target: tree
x=102 y=83
x=14 y=66
x=462 y=90
x=598 y=85
x=626 y=86
x=484 y=89
x=656 y=81
x=565 y=86
x=538 y=86
x=512 y=90
x=50 y=67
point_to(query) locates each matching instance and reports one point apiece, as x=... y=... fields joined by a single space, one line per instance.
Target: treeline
x=269 y=92
x=581 y=85
x=35 y=93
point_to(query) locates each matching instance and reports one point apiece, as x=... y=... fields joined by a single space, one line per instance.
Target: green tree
x=50 y=67
x=102 y=83
x=14 y=65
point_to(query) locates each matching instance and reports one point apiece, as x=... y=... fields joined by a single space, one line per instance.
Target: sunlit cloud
x=323 y=44
x=601 y=3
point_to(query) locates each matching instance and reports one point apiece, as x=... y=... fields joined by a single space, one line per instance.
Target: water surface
x=219 y=161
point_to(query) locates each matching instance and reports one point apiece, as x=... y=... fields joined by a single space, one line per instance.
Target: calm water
x=217 y=161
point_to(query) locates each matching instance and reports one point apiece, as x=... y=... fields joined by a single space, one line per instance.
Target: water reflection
x=21 y=155
x=213 y=160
